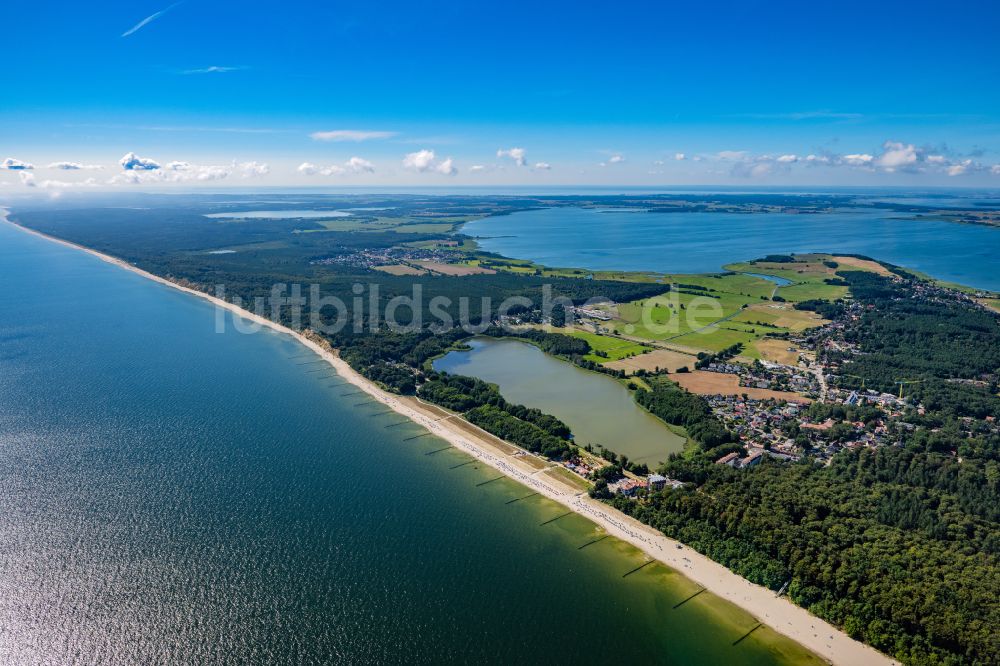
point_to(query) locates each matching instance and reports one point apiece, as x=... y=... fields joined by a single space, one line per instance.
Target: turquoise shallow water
x=173 y=495
x=704 y=242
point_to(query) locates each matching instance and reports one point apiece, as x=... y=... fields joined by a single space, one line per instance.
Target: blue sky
x=218 y=92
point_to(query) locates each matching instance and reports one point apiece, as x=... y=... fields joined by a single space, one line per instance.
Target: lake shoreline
x=779 y=614
x=625 y=424
x=581 y=238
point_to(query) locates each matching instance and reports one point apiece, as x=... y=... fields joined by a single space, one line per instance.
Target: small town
x=835 y=411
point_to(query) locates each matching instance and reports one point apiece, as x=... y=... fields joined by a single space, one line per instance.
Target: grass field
x=781 y=316
x=401 y=225
x=745 y=285
x=718 y=338
x=453 y=269
x=673 y=314
x=708 y=312
x=613 y=349
x=568 y=477
x=807 y=275
x=423 y=228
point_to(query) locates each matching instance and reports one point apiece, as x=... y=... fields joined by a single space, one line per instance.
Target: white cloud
x=419 y=161
x=353 y=165
x=351 y=135
x=212 y=69
x=616 y=159
x=476 y=168
x=516 y=154
x=187 y=171
x=446 y=167
x=542 y=166
x=995 y=169
x=138 y=170
x=359 y=165
x=425 y=160
x=29 y=180
x=149 y=19
x=422 y=160
x=858 y=159
x=251 y=169
x=12 y=164
x=74 y=166
x=896 y=155
x=959 y=169
x=680 y=157
x=132 y=162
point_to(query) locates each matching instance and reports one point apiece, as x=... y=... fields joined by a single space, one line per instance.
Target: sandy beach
x=776 y=612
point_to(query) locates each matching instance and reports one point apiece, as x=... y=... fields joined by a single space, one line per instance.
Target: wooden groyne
x=684 y=601
x=641 y=566
x=483 y=483
x=518 y=499
x=738 y=640
x=552 y=520
x=591 y=543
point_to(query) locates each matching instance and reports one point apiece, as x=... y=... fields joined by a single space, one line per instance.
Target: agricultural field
x=676 y=313
x=862 y=265
x=717 y=338
x=777 y=351
x=732 y=283
x=717 y=383
x=712 y=312
x=400 y=269
x=657 y=359
x=780 y=316
x=382 y=223
x=453 y=269
x=605 y=348
x=702 y=303
x=808 y=275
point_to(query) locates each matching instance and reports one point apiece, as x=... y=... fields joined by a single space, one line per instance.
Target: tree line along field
x=604 y=348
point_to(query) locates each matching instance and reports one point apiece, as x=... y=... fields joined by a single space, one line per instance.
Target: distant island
x=838 y=412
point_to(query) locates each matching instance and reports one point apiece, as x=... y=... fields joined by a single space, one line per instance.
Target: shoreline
x=778 y=613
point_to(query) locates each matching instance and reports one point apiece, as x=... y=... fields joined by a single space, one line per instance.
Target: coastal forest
x=900 y=545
